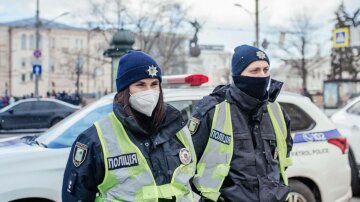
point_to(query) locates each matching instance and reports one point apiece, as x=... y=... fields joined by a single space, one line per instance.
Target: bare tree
x=297 y=48
x=157 y=24
x=345 y=59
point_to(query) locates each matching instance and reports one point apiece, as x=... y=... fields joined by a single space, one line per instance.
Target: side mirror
x=11 y=111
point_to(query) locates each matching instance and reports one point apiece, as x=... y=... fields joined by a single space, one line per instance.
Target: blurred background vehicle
x=317 y=146
x=347 y=120
x=4 y=101
x=34 y=114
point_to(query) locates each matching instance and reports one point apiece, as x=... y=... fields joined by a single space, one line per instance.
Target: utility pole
x=37 y=36
x=256 y=43
x=257 y=22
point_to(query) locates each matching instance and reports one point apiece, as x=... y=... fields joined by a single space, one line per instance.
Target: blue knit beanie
x=134 y=66
x=243 y=56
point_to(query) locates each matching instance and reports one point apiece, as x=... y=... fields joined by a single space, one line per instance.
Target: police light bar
x=191 y=79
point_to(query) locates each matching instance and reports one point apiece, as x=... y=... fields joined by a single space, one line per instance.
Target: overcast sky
x=223 y=23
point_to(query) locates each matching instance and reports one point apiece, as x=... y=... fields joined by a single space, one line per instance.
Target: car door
x=353 y=121
x=44 y=111
x=17 y=117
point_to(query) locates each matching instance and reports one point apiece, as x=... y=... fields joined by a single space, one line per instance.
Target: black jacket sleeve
x=81 y=178
x=204 y=114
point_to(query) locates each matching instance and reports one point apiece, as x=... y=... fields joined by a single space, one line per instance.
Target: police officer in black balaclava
x=242 y=136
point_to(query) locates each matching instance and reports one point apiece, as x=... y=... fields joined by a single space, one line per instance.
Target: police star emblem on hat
x=261 y=55
x=152 y=71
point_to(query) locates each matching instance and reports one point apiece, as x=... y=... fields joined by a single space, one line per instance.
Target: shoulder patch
x=193 y=125
x=79 y=154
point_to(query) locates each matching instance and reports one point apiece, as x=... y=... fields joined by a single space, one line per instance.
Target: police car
x=32 y=167
x=347 y=120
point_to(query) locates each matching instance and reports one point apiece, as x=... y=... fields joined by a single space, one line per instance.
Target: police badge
x=185 y=156
x=260 y=55
x=152 y=71
x=79 y=154
x=193 y=125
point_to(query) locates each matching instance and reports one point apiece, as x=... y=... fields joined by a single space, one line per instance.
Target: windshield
x=61 y=135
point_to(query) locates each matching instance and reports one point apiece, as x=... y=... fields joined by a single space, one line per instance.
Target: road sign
x=37 y=69
x=37 y=53
x=341 y=37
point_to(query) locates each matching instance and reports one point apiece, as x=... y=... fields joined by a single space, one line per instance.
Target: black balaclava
x=254 y=86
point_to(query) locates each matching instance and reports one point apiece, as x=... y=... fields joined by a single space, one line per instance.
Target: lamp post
x=256 y=19
x=121 y=42
x=37 y=27
x=37 y=43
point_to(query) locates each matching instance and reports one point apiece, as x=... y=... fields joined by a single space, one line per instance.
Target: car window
x=25 y=106
x=67 y=138
x=300 y=120
x=43 y=105
x=354 y=109
x=185 y=107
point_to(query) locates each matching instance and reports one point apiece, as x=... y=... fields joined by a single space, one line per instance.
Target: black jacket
x=254 y=173
x=161 y=151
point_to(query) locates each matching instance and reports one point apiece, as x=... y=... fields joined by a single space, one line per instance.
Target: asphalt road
x=357 y=199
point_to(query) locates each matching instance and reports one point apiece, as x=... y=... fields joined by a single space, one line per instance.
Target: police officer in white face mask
x=142 y=151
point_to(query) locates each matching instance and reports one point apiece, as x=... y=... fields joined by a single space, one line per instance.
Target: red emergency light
x=190 y=79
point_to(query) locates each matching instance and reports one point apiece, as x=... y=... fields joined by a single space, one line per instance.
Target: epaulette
x=207 y=103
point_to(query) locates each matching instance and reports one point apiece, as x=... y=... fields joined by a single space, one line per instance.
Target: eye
x=140 y=84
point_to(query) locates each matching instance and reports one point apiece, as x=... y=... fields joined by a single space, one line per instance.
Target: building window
x=23 y=77
x=53 y=42
x=32 y=42
x=23 y=42
x=52 y=65
x=23 y=62
x=78 y=44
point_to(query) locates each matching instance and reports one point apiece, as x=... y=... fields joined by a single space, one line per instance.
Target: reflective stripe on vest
x=128 y=177
x=280 y=129
x=214 y=164
x=218 y=155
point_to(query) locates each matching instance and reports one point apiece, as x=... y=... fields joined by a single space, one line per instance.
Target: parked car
x=347 y=120
x=34 y=114
x=33 y=166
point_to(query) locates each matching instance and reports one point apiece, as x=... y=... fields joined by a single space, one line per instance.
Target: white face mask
x=145 y=101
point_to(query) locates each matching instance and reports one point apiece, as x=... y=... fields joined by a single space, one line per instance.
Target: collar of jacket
x=250 y=104
x=171 y=124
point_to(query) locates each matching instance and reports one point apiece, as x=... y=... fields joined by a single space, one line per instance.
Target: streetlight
x=121 y=42
x=256 y=19
x=37 y=44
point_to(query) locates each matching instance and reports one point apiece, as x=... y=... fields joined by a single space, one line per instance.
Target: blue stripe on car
x=315 y=137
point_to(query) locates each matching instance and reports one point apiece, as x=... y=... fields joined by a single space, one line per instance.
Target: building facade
x=214 y=62
x=71 y=56
x=66 y=53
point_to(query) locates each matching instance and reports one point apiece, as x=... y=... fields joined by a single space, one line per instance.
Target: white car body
x=33 y=171
x=348 y=123
x=347 y=120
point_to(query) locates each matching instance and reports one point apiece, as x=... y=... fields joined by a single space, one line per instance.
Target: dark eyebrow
x=140 y=82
